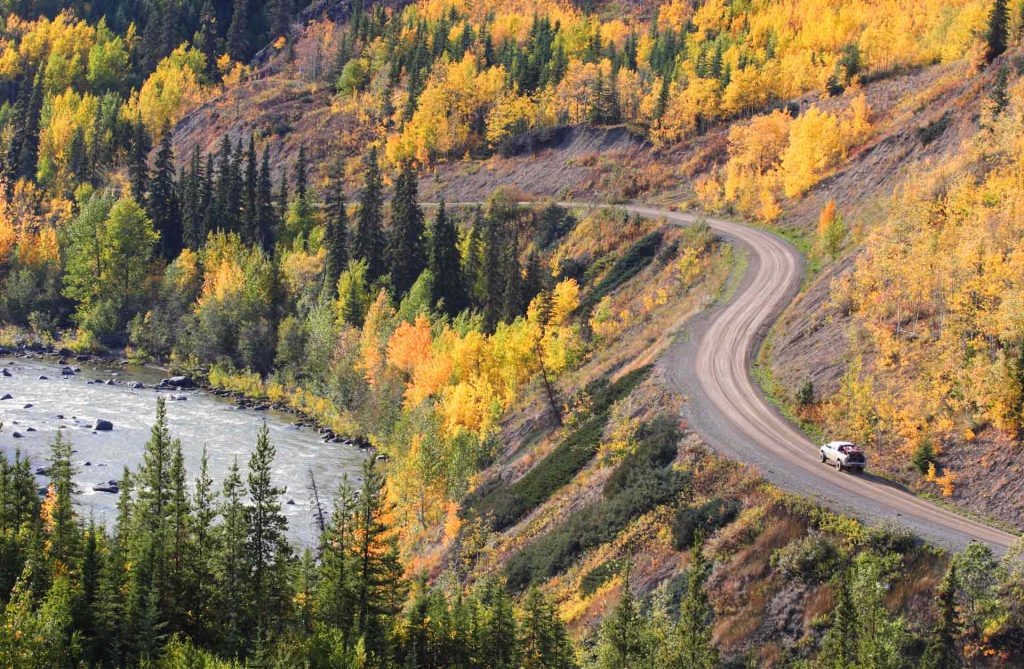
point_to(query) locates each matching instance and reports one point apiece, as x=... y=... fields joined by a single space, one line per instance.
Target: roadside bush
x=811 y=559
x=709 y=517
x=805 y=393
x=890 y=538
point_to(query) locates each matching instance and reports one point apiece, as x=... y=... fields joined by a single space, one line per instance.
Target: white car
x=843 y=455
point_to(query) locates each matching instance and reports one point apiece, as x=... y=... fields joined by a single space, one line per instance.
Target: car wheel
x=822 y=454
x=839 y=465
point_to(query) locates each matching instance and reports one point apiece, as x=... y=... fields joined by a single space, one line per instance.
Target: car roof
x=840 y=443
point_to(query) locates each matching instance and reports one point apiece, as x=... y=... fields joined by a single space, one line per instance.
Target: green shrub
x=811 y=559
x=805 y=393
x=709 y=517
x=890 y=538
x=923 y=456
x=598 y=576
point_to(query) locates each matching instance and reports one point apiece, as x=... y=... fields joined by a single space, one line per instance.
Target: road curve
x=711 y=364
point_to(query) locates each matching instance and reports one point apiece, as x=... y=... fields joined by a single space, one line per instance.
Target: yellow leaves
x=455 y=94
x=946 y=482
x=813 y=148
x=409 y=346
x=565 y=299
x=222 y=280
x=511 y=115
x=173 y=87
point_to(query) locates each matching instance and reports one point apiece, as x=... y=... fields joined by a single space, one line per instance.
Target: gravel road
x=711 y=365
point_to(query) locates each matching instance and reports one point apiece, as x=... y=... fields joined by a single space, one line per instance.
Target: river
x=228 y=432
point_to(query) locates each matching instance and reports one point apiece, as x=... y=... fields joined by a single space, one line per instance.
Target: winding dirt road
x=711 y=364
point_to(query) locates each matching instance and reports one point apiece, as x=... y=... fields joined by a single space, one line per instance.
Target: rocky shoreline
x=178 y=383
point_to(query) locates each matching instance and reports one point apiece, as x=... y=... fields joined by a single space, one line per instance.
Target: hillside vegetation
x=238 y=190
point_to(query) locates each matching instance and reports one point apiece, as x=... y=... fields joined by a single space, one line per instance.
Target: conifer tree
x=996 y=35
x=406 y=252
x=250 y=196
x=162 y=202
x=265 y=206
x=368 y=241
x=28 y=128
x=693 y=632
x=543 y=641
x=204 y=549
x=336 y=599
x=224 y=217
x=942 y=651
x=62 y=529
x=268 y=550
x=445 y=264
x=378 y=576
x=335 y=234
x=301 y=176
x=238 y=31
x=138 y=165
x=623 y=640
x=234 y=584
x=472 y=262
x=839 y=649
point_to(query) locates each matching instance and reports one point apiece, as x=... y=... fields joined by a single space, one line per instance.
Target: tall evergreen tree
x=192 y=209
x=234 y=583
x=839 y=649
x=250 y=195
x=624 y=641
x=337 y=597
x=336 y=233
x=445 y=264
x=942 y=651
x=265 y=216
x=63 y=540
x=693 y=633
x=238 y=32
x=267 y=544
x=301 y=176
x=378 y=577
x=368 y=241
x=209 y=200
x=28 y=127
x=162 y=201
x=997 y=33
x=138 y=161
x=406 y=253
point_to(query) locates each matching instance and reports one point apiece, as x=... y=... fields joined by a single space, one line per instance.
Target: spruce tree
x=162 y=201
x=472 y=262
x=623 y=639
x=138 y=161
x=208 y=198
x=63 y=540
x=378 y=575
x=265 y=217
x=234 y=584
x=368 y=241
x=28 y=128
x=335 y=234
x=943 y=651
x=267 y=545
x=445 y=264
x=238 y=32
x=224 y=217
x=996 y=36
x=202 y=594
x=337 y=597
x=839 y=649
x=406 y=252
x=192 y=212
x=301 y=176
x=250 y=196
x=693 y=632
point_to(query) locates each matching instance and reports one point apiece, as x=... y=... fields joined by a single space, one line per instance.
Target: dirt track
x=711 y=365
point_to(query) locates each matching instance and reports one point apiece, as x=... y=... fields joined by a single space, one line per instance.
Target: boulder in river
x=136 y=385
x=43 y=377
x=27 y=406
x=109 y=486
x=110 y=382
x=16 y=435
x=102 y=425
x=7 y=396
x=178 y=382
x=6 y=372
x=67 y=371
x=82 y=357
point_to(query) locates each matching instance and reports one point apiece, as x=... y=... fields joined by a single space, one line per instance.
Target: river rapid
x=36 y=405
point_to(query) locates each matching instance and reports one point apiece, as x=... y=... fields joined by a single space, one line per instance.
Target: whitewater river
x=227 y=431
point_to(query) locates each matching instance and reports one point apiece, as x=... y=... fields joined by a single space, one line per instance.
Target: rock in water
x=102 y=425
